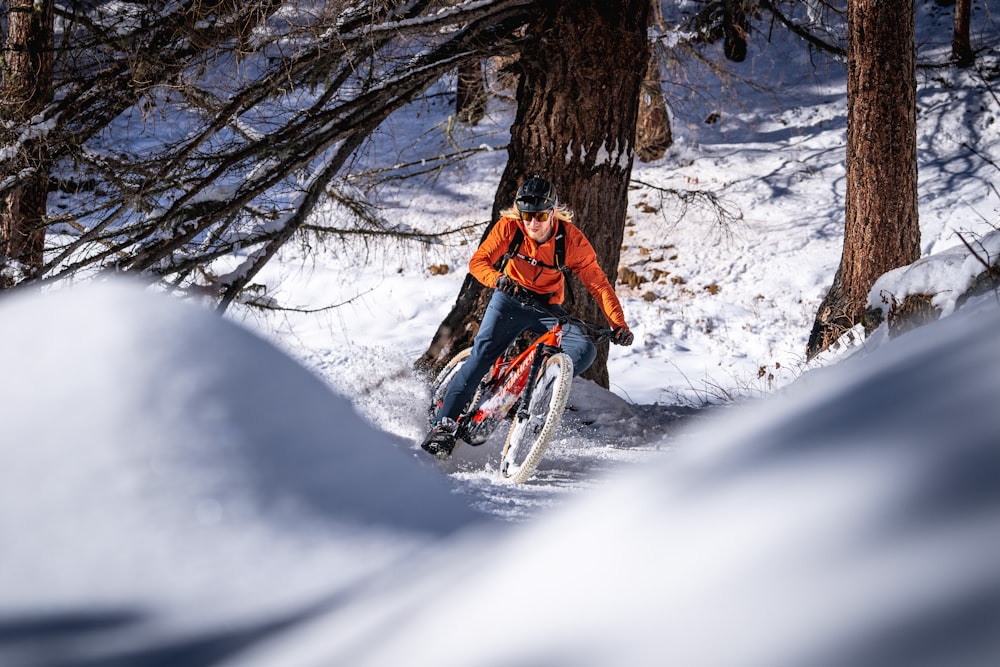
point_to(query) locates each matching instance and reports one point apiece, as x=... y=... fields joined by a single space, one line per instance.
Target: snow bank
x=945 y=276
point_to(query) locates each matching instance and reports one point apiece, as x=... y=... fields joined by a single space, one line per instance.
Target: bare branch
x=272 y=105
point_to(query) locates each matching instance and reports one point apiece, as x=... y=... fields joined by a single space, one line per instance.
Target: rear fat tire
x=528 y=439
x=468 y=431
x=440 y=384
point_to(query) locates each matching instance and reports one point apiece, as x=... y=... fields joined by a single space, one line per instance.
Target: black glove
x=506 y=284
x=622 y=336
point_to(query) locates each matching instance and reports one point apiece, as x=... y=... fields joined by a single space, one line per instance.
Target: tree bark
x=577 y=95
x=961 y=47
x=653 y=135
x=24 y=92
x=735 y=27
x=470 y=98
x=882 y=229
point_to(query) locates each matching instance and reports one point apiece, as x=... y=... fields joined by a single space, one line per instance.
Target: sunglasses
x=540 y=216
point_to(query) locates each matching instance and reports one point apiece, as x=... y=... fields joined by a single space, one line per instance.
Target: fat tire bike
x=529 y=388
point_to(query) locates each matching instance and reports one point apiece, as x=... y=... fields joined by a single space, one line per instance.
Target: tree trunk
x=470 y=98
x=882 y=230
x=578 y=89
x=25 y=90
x=735 y=26
x=652 y=132
x=961 y=47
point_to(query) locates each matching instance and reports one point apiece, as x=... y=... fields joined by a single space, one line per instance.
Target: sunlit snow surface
x=176 y=492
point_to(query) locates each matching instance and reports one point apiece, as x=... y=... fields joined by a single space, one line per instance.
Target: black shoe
x=440 y=442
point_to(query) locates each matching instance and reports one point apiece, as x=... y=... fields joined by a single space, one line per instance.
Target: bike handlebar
x=532 y=300
x=601 y=333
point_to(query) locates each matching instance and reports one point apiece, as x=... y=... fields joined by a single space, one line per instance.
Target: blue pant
x=503 y=322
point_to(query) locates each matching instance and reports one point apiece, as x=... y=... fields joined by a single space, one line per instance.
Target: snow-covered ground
x=180 y=489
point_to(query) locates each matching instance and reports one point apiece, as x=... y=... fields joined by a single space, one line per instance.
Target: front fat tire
x=528 y=439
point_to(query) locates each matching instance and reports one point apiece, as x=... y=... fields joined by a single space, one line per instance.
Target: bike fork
x=525 y=400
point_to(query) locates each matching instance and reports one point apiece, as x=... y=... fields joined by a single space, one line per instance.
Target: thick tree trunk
x=882 y=230
x=470 y=98
x=577 y=103
x=653 y=135
x=961 y=47
x=735 y=27
x=25 y=90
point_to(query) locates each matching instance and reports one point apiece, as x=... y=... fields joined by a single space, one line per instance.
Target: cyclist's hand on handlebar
x=622 y=336
x=506 y=284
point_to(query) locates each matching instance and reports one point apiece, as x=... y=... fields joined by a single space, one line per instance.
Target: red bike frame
x=509 y=378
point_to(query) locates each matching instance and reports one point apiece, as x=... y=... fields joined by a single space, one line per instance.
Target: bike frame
x=508 y=379
x=511 y=385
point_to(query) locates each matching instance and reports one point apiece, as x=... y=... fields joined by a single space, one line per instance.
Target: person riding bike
x=533 y=234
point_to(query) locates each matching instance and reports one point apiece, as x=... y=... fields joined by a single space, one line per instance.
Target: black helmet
x=535 y=194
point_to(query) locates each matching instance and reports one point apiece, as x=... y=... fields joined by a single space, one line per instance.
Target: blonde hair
x=562 y=213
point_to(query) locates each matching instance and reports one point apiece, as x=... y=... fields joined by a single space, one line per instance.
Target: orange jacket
x=580 y=258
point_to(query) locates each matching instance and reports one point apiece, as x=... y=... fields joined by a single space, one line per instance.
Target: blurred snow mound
x=153 y=451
